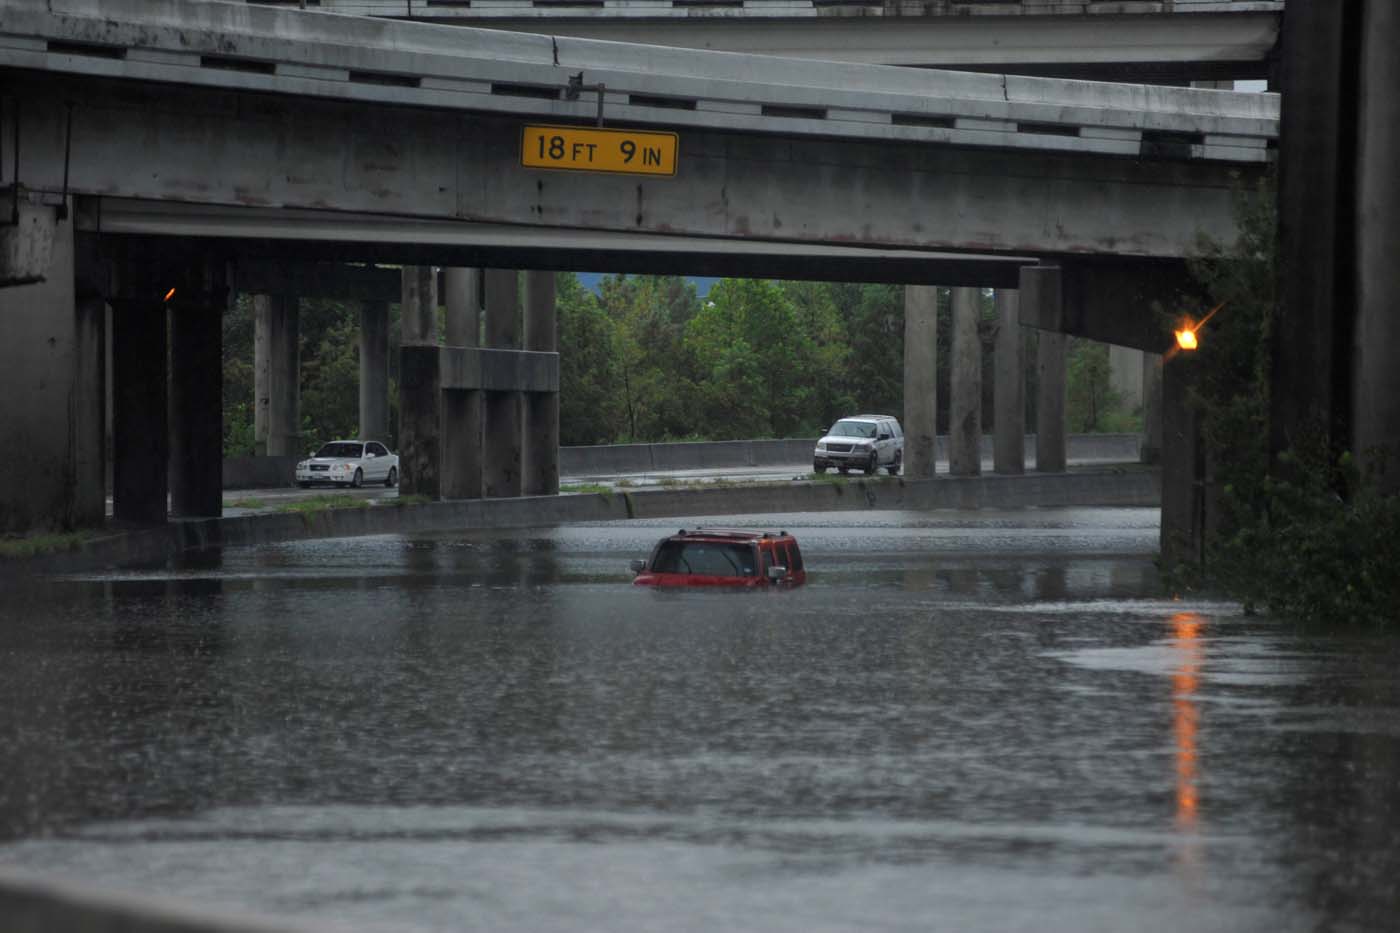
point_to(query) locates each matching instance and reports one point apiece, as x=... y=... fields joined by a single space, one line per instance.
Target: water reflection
x=1186 y=716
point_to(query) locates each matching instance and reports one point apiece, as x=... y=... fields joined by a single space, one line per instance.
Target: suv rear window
x=707 y=558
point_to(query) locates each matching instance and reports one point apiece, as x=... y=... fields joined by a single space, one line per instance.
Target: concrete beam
x=1147 y=40
x=292 y=153
x=262 y=233
x=1131 y=304
x=341 y=281
x=492 y=370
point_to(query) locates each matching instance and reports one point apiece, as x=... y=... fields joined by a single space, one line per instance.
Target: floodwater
x=965 y=721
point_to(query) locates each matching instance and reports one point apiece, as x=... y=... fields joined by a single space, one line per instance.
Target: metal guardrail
x=285 y=51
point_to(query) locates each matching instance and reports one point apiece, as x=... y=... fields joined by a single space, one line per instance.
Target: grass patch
x=246 y=504
x=585 y=487
x=19 y=548
x=625 y=484
x=324 y=504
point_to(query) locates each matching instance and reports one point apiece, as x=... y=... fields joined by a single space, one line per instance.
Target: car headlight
x=821 y=445
x=301 y=465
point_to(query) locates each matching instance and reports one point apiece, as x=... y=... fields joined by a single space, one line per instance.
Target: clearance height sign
x=621 y=152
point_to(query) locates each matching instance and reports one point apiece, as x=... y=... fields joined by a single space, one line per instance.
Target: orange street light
x=1186 y=339
x=168 y=295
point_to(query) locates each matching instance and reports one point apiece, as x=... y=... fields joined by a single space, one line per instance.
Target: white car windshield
x=341 y=449
x=852 y=429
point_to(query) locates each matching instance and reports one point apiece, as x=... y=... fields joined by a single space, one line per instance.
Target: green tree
x=1089 y=394
x=828 y=397
x=654 y=376
x=590 y=406
x=756 y=359
x=873 y=318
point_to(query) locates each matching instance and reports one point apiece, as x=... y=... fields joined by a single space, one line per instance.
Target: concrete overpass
x=1149 y=41
x=269 y=131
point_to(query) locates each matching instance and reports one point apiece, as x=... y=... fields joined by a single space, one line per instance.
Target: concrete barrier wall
x=609 y=459
x=646 y=458
x=1135 y=487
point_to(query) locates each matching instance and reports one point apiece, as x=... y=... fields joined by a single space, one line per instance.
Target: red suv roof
x=733 y=557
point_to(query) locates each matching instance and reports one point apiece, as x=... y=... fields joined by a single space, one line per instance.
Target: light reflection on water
x=969 y=720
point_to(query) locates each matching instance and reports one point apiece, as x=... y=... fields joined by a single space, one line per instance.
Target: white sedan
x=350 y=463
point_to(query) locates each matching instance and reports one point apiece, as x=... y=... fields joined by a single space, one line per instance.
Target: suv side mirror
x=777 y=572
x=638 y=566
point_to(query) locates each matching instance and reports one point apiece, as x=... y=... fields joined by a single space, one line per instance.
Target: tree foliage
x=1307 y=537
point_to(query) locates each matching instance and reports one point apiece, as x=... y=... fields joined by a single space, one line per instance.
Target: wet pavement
x=965 y=721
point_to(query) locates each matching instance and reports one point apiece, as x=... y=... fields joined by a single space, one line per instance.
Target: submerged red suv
x=723 y=557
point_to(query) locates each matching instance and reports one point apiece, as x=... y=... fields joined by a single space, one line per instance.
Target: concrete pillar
x=420 y=386
x=965 y=387
x=1310 y=374
x=276 y=376
x=374 y=370
x=461 y=409
x=91 y=400
x=541 y=453
x=418 y=306
x=1125 y=374
x=920 y=381
x=420 y=420
x=1050 y=437
x=140 y=432
x=1376 y=372
x=51 y=384
x=501 y=470
x=463 y=301
x=1151 y=408
x=196 y=396
x=1009 y=431
x=1182 y=534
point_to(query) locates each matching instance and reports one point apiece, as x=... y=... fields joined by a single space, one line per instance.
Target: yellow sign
x=625 y=152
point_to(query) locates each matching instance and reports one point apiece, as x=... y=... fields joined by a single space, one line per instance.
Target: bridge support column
x=965 y=388
x=541 y=454
x=1182 y=535
x=462 y=409
x=276 y=376
x=1151 y=451
x=1376 y=373
x=1050 y=439
x=1009 y=432
x=1125 y=374
x=52 y=385
x=374 y=370
x=501 y=472
x=140 y=429
x=196 y=393
x=420 y=386
x=920 y=381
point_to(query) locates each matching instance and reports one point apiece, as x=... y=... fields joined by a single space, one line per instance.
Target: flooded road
x=965 y=721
